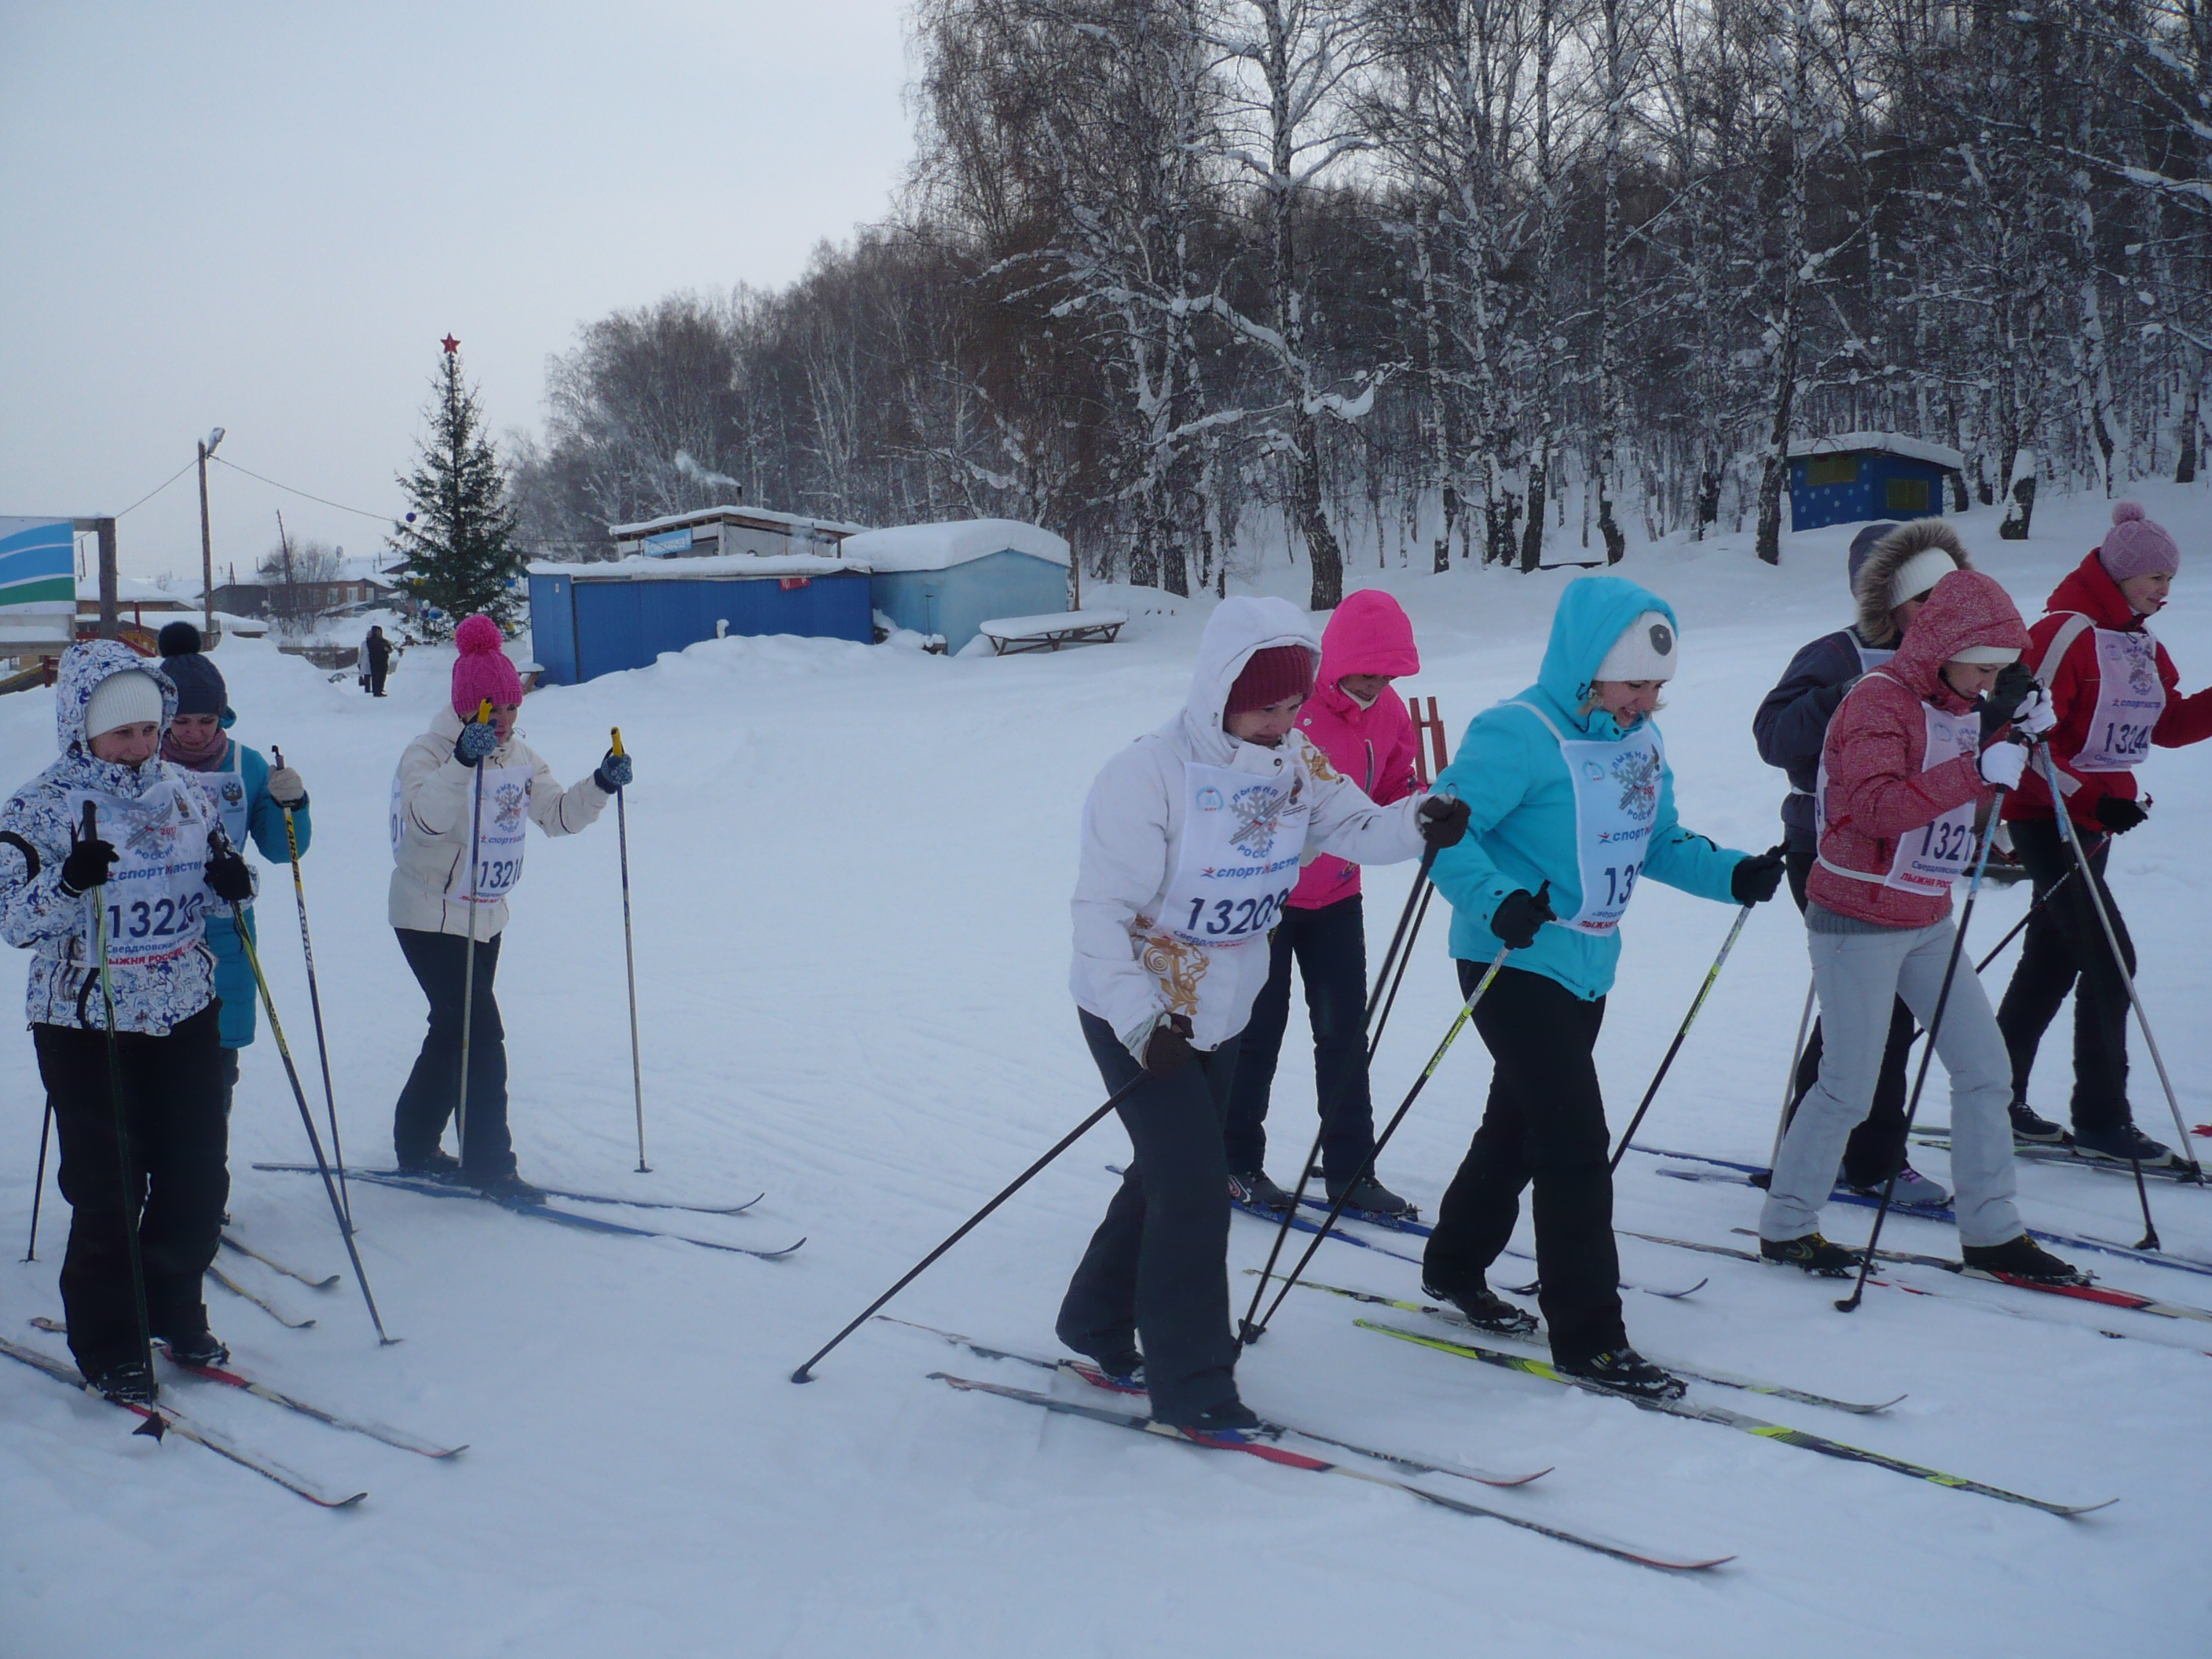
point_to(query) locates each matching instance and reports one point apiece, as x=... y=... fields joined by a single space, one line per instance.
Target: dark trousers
x=1544 y=1124
x=2066 y=949
x=1876 y=1151
x=376 y=672
x=1157 y=1267
x=433 y=1086
x=178 y=1180
x=1330 y=946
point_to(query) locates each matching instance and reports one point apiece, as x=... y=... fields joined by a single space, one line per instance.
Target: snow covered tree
x=460 y=540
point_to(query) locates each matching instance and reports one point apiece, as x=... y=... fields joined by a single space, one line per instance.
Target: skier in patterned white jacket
x=1193 y=838
x=150 y=867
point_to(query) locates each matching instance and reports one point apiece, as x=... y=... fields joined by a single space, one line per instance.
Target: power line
x=160 y=487
x=380 y=518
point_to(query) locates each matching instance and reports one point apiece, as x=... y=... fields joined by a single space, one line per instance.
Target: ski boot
x=201 y=1348
x=508 y=1187
x=1915 y=1191
x=1812 y=1253
x=1628 y=1372
x=1486 y=1310
x=1368 y=1196
x=438 y=1164
x=2023 y=1258
x=1231 y=1420
x=131 y=1383
x=1252 y=1186
x=2031 y=1128
x=2123 y=1144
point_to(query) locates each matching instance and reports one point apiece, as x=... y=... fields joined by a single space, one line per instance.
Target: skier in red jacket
x=2111 y=687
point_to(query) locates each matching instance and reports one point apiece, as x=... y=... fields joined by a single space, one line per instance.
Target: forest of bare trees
x=1445 y=281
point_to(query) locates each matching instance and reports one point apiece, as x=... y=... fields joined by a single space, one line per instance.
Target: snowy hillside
x=851 y=869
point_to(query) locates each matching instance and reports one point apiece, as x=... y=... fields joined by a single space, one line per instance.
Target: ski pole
x=805 y=1373
x=1250 y=1333
x=39 y=1186
x=1712 y=973
x=469 y=956
x=629 y=964
x=1850 y=1303
x=2120 y=964
x=299 y=1095
x=1420 y=890
x=132 y=1204
x=1790 y=1084
x=315 y=998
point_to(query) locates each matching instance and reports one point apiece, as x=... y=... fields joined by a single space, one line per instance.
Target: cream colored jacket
x=432 y=793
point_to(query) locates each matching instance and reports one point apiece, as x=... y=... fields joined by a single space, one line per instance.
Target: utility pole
x=288 y=606
x=110 y=624
x=207 y=547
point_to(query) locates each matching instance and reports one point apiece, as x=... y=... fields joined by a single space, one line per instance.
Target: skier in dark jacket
x=1893 y=566
x=376 y=654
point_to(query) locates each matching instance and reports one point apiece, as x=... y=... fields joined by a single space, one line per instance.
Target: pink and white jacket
x=1375 y=746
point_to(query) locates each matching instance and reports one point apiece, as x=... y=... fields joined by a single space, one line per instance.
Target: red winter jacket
x=1875 y=792
x=2088 y=591
x=1375 y=747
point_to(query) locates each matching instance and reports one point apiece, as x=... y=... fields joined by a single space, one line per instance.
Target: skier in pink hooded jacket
x=1361 y=724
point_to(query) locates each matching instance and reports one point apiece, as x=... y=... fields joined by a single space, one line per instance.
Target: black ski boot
x=1628 y=1371
x=131 y=1383
x=1231 y=1420
x=1812 y=1253
x=438 y=1164
x=1252 y=1186
x=1126 y=1367
x=1368 y=1196
x=2023 y=1258
x=201 y=1347
x=2031 y=1128
x=2124 y=1145
x=1486 y=1310
x=508 y=1189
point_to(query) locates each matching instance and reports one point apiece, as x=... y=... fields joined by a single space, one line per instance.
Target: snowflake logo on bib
x=152 y=835
x=1637 y=772
x=2143 y=680
x=1259 y=816
x=510 y=800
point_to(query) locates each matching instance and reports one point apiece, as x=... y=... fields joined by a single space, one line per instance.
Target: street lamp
x=207 y=548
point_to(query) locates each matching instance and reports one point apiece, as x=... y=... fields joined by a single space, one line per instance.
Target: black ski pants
x=1157 y=1267
x=177 y=1182
x=1544 y=1124
x=2066 y=949
x=1876 y=1151
x=376 y=673
x=1329 y=944
x=438 y=961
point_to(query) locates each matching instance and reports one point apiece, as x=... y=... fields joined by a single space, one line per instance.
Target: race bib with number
x=1616 y=785
x=498 y=862
x=1930 y=859
x=2130 y=698
x=1241 y=838
x=156 y=895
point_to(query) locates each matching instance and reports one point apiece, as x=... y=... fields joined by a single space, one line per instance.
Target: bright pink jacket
x=1368 y=634
x=1875 y=793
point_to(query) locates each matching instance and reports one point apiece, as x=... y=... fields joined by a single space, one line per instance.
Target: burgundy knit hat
x=1270 y=675
x=2136 y=546
x=482 y=669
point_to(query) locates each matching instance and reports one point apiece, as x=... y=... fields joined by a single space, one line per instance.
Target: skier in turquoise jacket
x=250 y=799
x=1571 y=805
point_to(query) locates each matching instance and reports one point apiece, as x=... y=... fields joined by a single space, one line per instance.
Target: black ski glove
x=1755 y=879
x=87 y=866
x=478 y=740
x=615 y=773
x=227 y=874
x=1443 y=821
x=1520 y=914
x=1167 y=1051
x=2016 y=682
x=2116 y=815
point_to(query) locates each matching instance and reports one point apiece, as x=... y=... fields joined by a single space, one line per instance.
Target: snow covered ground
x=851 y=868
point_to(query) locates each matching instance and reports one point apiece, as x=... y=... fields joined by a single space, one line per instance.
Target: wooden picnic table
x=1010 y=636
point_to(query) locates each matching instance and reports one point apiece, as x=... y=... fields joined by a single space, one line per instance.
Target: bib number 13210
x=1234 y=919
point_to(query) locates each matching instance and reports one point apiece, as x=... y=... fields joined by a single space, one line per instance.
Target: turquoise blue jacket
x=1509 y=772
x=233 y=977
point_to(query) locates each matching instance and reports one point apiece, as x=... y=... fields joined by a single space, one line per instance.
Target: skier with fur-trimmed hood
x=1193 y=839
x=148 y=868
x=1893 y=566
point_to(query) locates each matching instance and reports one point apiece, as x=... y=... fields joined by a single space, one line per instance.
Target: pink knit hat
x=2136 y=546
x=482 y=669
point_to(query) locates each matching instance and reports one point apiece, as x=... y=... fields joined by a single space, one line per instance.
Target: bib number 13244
x=1234 y=919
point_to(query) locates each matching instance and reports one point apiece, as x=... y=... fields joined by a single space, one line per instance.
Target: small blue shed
x=1858 y=476
x=587 y=620
x=949 y=579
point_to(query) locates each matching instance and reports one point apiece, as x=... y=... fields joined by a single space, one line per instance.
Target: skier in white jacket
x=1193 y=838
x=438 y=899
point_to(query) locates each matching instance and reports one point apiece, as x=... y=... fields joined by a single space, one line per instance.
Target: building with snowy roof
x=947 y=579
x=718 y=532
x=1858 y=476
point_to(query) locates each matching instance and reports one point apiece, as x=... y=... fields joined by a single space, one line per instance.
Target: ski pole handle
x=483 y=712
x=614 y=735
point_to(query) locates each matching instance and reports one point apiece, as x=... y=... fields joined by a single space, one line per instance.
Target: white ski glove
x=286 y=789
x=2035 y=717
x=2001 y=765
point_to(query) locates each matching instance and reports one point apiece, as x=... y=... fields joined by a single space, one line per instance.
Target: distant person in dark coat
x=376 y=650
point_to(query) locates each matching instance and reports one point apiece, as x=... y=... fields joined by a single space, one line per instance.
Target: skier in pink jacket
x=1361 y=724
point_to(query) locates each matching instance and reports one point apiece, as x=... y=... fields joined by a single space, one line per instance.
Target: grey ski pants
x=1857 y=977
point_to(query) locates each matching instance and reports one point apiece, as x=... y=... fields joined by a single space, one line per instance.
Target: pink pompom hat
x=2136 y=546
x=482 y=669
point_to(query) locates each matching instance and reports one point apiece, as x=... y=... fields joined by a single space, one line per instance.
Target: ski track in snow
x=851 y=869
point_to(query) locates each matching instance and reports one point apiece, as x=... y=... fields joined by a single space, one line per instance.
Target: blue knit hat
x=200 y=689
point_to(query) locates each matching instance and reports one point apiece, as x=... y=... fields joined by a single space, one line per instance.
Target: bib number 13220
x=1233 y=919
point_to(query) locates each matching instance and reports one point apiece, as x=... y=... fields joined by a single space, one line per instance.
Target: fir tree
x=459 y=541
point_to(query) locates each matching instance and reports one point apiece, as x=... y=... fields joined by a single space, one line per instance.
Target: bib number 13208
x=1234 y=919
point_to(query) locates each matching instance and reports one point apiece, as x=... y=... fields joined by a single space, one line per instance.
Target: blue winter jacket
x=1511 y=775
x=233 y=976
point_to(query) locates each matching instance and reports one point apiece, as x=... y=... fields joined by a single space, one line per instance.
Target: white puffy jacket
x=431 y=797
x=1127 y=970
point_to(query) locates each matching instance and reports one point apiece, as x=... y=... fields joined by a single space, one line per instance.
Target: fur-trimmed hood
x=1891 y=554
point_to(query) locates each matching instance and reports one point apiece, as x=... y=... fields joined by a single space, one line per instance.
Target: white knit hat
x=1999 y=654
x=1644 y=651
x=124 y=699
x=1918 y=573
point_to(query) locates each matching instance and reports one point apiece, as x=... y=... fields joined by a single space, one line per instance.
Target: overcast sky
x=263 y=217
